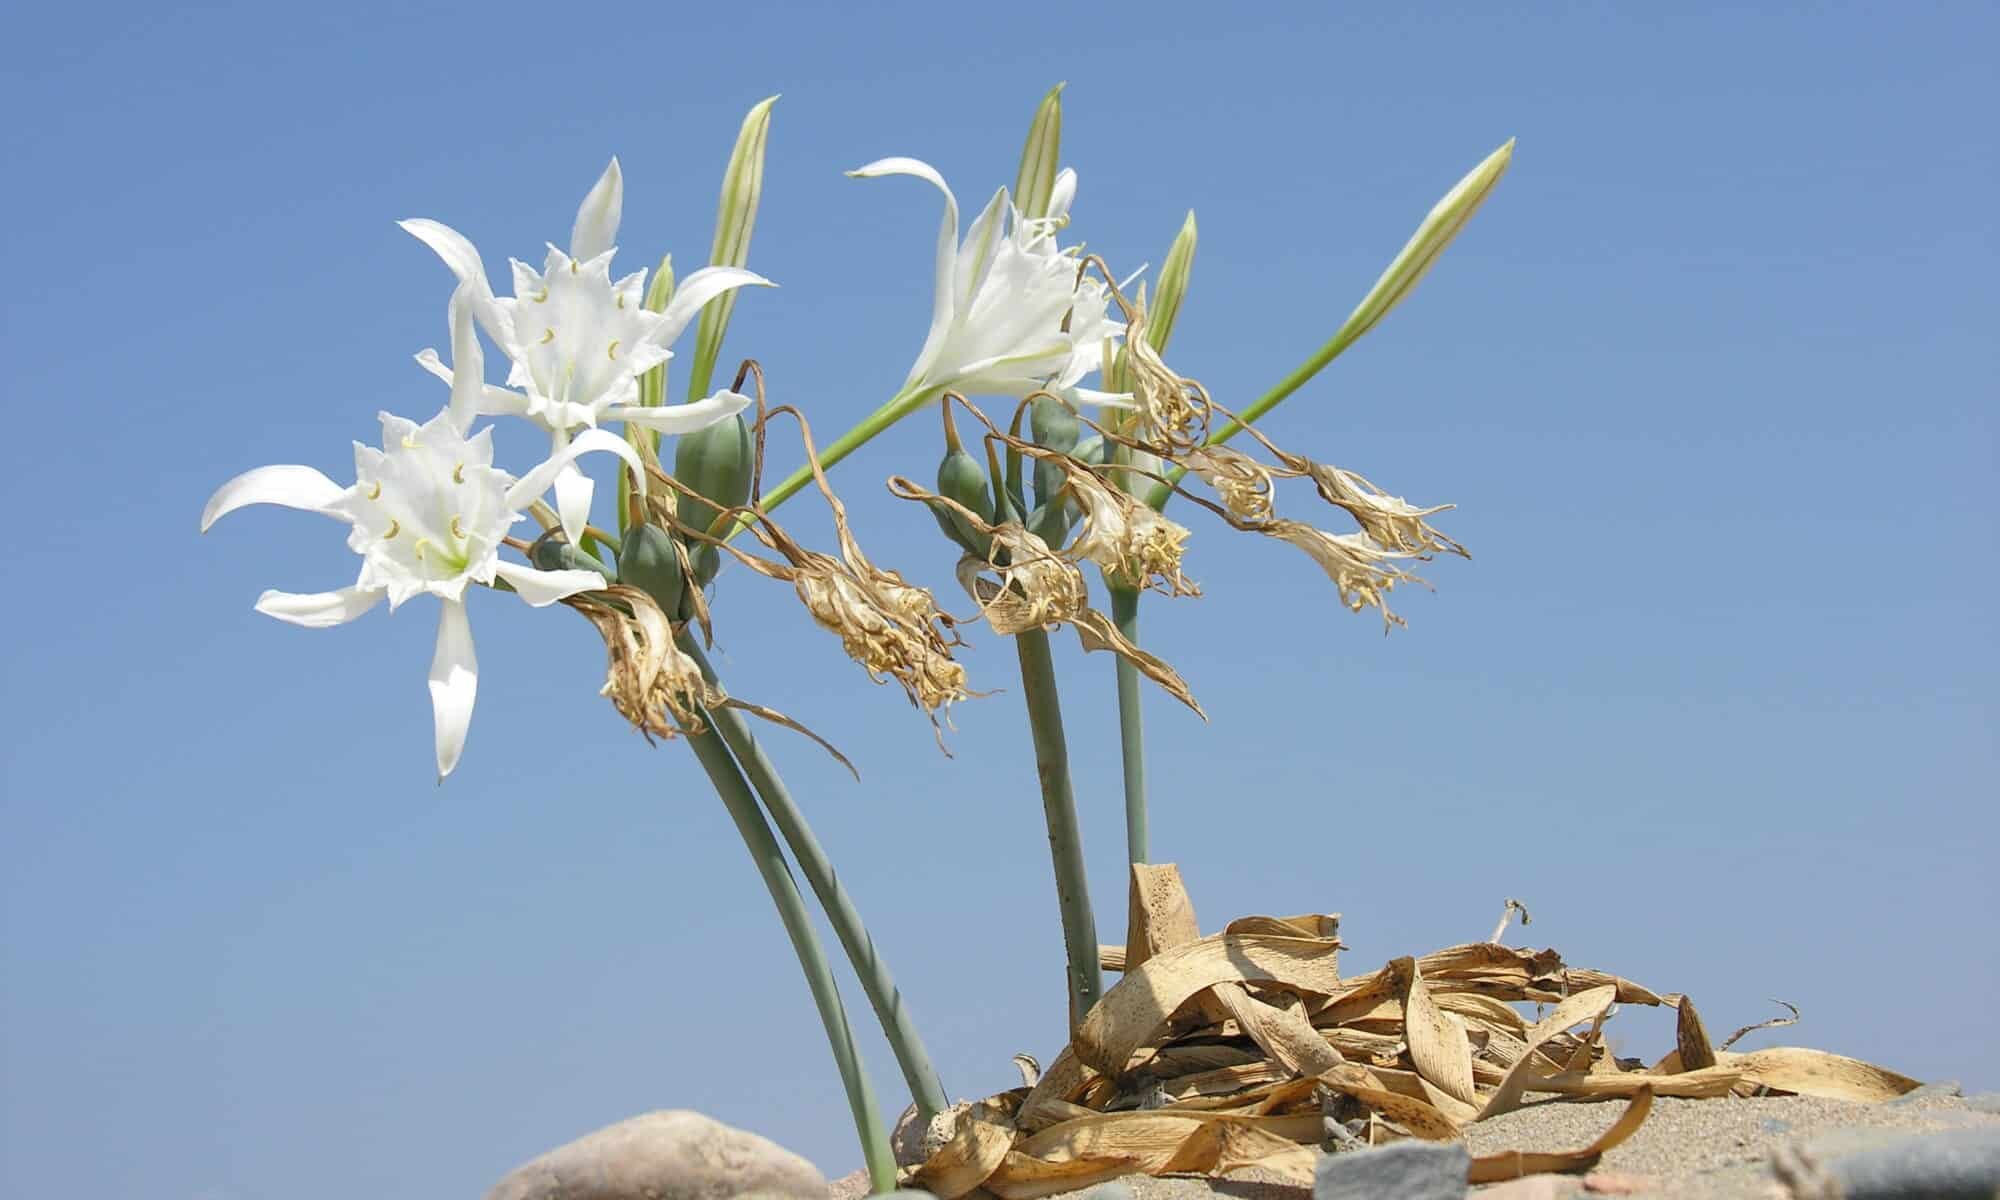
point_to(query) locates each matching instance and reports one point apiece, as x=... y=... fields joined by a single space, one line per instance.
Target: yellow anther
x=418 y=549
x=548 y=335
x=375 y=493
x=541 y=297
x=457 y=528
x=458 y=473
x=395 y=527
x=409 y=443
x=573 y=268
x=621 y=299
x=613 y=350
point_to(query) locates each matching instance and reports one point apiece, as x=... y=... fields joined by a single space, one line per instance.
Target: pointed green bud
x=717 y=463
x=1051 y=521
x=1165 y=307
x=736 y=216
x=1439 y=227
x=647 y=560
x=1036 y=182
x=1056 y=427
x=1090 y=450
x=961 y=478
x=652 y=391
x=553 y=554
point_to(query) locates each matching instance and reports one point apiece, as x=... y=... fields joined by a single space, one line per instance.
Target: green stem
x=742 y=805
x=901 y=405
x=1131 y=726
x=1340 y=341
x=1038 y=686
x=925 y=1087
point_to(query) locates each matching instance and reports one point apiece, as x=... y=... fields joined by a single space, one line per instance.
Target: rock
x=668 y=1155
x=1774 y=1125
x=1942 y=1089
x=1407 y=1170
x=1985 y=1102
x=1935 y=1166
x=1106 y=1191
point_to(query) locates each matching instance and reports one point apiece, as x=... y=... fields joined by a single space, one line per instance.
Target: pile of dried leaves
x=1249 y=1048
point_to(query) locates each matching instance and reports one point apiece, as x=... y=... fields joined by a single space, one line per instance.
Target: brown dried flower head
x=1242 y=483
x=1038 y=588
x=1362 y=570
x=1130 y=540
x=649 y=679
x=886 y=628
x=1391 y=520
x=1173 y=410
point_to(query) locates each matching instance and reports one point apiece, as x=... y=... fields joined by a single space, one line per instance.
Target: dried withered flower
x=1363 y=571
x=650 y=681
x=882 y=627
x=1173 y=410
x=1391 y=520
x=1038 y=588
x=1242 y=483
x=1130 y=540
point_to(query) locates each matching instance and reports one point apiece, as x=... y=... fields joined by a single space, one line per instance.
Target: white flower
x=578 y=339
x=1013 y=313
x=428 y=512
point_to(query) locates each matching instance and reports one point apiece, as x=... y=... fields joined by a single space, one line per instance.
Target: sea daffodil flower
x=578 y=339
x=427 y=514
x=1014 y=313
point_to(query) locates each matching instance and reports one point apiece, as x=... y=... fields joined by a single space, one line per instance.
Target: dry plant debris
x=1249 y=1048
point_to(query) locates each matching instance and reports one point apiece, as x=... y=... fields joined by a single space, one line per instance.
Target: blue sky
x=1710 y=378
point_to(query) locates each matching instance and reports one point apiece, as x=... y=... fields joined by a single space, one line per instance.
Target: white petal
x=696 y=290
x=462 y=257
x=982 y=244
x=597 y=219
x=468 y=361
x=1064 y=193
x=677 y=419
x=537 y=481
x=540 y=587
x=573 y=492
x=947 y=251
x=318 y=610
x=493 y=401
x=454 y=684
x=291 y=486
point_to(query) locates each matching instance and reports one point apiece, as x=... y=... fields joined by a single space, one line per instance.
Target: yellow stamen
x=458 y=529
x=375 y=493
x=613 y=351
x=395 y=527
x=548 y=335
x=418 y=549
x=409 y=443
x=458 y=473
x=541 y=297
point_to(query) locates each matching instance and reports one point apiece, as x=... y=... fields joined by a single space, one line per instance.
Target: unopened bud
x=648 y=559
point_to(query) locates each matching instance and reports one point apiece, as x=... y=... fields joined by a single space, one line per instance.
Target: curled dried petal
x=1130 y=540
x=649 y=680
x=1364 y=572
x=1242 y=483
x=1391 y=520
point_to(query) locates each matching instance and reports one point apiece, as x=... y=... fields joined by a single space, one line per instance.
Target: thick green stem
x=925 y=1087
x=1038 y=686
x=742 y=805
x=1131 y=726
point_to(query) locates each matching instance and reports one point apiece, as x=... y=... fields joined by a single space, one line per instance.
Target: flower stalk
x=1131 y=727
x=713 y=754
x=1038 y=687
x=926 y=1089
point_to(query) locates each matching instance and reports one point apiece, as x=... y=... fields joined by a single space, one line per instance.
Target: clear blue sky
x=1711 y=378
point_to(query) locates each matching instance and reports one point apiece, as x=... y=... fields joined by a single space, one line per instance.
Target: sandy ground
x=1698 y=1149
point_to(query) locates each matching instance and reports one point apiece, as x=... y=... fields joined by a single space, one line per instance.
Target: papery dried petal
x=1363 y=571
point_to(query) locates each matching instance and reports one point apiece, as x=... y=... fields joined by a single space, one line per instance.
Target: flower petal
x=597 y=218
x=468 y=361
x=493 y=401
x=1063 y=195
x=696 y=290
x=454 y=684
x=975 y=257
x=291 y=486
x=573 y=492
x=318 y=610
x=537 y=481
x=540 y=587
x=676 y=419
x=941 y=311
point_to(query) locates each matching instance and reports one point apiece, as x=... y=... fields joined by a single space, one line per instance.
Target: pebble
x=668 y=1155
x=1407 y=1170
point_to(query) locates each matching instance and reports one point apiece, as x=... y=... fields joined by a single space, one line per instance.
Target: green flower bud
x=1056 y=427
x=1090 y=450
x=1051 y=521
x=961 y=478
x=550 y=553
x=647 y=560
x=1036 y=181
x=716 y=462
x=735 y=218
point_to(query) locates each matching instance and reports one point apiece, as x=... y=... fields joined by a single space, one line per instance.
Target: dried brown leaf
x=1514 y=1164
x=1021 y=1177
x=984 y=1136
x=1808 y=1072
x=1437 y=1039
x=1691 y=1038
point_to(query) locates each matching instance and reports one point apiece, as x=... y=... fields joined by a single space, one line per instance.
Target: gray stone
x=1407 y=1170
x=1985 y=1102
x=669 y=1155
x=1107 y=1191
x=1936 y=1166
x=1774 y=1125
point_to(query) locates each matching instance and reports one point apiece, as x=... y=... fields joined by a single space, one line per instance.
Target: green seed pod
x=1051 y=522
x=1090 y=450
x=554 y=554
x=647 y=560
x=717 y=463
x=706 y=561
x=961 y=478
x=1056 y=427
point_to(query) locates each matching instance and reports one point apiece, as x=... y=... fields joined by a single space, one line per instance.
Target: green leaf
x=736 y=216
x=1037 y=180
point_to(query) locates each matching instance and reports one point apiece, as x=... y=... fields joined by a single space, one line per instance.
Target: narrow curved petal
x=453 y=247
x=538 y=480
x=318 y=610
x=468 y=361
x=291 y=486
x=541 y=588
x=454 y=684
x=677 y=419
x=573 y=492
x=696 y=290
x=947 y=250
x=1063 y=195
x=975 y=257
x=493 y=401
x=597 y=218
